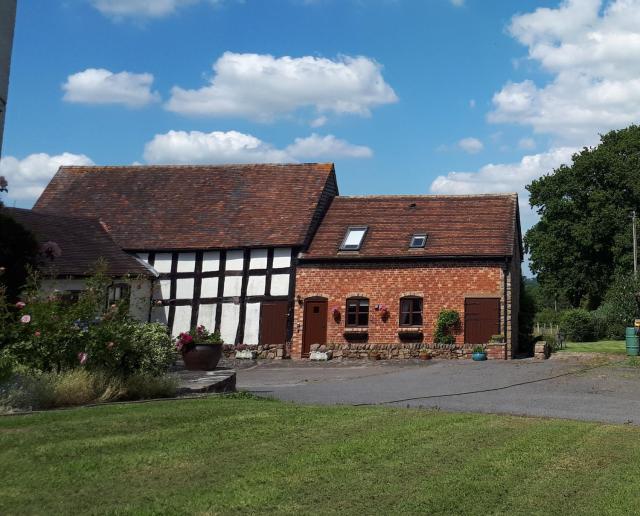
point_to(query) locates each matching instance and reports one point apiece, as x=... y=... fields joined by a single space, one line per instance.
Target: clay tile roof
x=194 y=207
x=82 y=243
x=456 y=225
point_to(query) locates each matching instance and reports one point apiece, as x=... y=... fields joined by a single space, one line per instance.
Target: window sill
x=356 y=330
x=410 y=329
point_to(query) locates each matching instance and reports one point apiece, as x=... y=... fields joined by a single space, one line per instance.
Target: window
x=117 y=292
x=353 y=239
x=357 y=312
x=418 y=240
x=411 y=311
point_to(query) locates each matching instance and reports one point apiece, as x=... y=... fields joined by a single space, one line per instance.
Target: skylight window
x=353 y=239
x=418 y=240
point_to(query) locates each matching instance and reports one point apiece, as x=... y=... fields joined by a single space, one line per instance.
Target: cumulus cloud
x=527 y=143
x=120 y=9
x=591 y=51
x=316 y=146
x=471 y=145
x=263 y=87
x=100 y=86
x=237 y=147
x=27 y=177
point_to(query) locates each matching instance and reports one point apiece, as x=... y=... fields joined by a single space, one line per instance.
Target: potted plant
x=479 y=354
x=201 y=350
x=424 y=354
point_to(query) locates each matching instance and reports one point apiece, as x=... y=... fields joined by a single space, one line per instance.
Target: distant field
x=251 y=456
x=616 y=347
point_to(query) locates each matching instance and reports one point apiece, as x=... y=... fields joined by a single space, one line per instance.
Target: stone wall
x=441 y=285
x=271 y=351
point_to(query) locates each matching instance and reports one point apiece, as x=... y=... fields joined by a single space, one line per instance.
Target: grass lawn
x=231 y=456
x=616 y=347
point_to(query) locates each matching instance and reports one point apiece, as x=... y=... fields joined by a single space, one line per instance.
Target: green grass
x=615 y=347
x=232 y=456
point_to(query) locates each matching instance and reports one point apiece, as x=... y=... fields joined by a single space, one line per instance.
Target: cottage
x=381 y=268
x=71 y=248
x=224 y=240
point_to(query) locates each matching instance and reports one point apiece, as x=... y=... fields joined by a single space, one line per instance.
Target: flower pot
x=424 y=356
x=479 y=356
x=202 y=358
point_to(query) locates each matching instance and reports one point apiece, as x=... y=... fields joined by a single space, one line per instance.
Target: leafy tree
x=584 y=234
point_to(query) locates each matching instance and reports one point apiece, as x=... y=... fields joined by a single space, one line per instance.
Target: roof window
x=353 y=239
x=418 y=240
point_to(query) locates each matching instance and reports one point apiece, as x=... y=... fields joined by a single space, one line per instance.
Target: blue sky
x=405 y=96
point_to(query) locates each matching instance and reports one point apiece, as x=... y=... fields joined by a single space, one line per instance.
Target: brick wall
x=441 y=285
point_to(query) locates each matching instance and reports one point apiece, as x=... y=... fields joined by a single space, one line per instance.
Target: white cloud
x=316 y=146
x=527 y=143
x=506 y=177
x=457 y=3
x=262 y=87
x=471 y=145
x=27 y=177
x=120 y=9
x=100 y=86
x=236 y=147
x=591 y=52
x=319 y=122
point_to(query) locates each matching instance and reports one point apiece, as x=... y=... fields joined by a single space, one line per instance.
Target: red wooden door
x=481 y=319
x=273 y=322
x=315 y=324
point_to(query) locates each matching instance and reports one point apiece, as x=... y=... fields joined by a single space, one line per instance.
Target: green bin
x=633 y=350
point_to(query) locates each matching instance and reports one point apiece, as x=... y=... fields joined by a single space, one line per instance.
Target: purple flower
x=82 y=357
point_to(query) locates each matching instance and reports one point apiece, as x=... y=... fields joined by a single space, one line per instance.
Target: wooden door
x=481 y=319
x=273 y=322
x=315 y=324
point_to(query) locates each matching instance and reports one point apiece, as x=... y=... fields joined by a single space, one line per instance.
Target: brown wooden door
x=315 y=324
x=273 y=322
x=481 y=319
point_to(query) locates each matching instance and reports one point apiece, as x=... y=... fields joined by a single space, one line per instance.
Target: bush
x=81 y=387
x=18 y=252
x=619 y=308
x=577 y=325
x=548 y=316
x=447 y=322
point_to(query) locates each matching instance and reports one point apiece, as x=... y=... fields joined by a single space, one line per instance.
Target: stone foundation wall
x=271 y=351
x=407 y=350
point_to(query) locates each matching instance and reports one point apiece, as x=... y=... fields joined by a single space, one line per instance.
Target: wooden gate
x=481 y=319
x=315 y=324
x=273 y=322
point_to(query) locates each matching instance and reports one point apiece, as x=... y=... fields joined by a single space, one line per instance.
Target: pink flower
x=25 y=319
x=159 y=302
x=82 y=357
x=37 y=333
x=20 y=305
x=110 y=345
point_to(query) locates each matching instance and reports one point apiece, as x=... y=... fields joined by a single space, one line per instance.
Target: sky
x=405 y=96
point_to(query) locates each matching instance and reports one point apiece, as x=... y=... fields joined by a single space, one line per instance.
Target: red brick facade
x=442 y=285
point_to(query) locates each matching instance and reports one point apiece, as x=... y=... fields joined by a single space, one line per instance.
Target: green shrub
x=548 y=316
x=448 y=321
x=142 y=386
x=577 y=325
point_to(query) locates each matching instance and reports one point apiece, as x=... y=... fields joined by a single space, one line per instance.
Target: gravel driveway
x=569 y=387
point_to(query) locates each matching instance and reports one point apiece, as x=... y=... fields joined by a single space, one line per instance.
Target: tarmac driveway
x=563 y=387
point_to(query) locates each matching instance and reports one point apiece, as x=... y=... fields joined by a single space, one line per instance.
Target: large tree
x=584 y=235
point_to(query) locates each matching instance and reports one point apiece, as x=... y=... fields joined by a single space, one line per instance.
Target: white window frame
x=415 y=236
x=354 y=247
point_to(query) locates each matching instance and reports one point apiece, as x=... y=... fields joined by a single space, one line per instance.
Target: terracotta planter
x=202 y=358
x=424 y=356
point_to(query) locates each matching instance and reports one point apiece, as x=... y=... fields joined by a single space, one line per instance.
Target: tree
x=584 y=235
x=18 y=251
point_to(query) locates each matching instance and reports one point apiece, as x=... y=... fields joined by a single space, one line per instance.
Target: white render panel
x=160 y=314
x=229 y=322
x=209 y=287
x=211 y=261
x=258 y=259
x=162 y=262
x=232 y=286
x=181 y=320
x=162 y=289
x=235 y=260
x=280 y=285
x=186 y=262
x=143 y=256
x=281 y=257
x=252 y=324
x=207 y=316
x=184 y=288
x=256 y=285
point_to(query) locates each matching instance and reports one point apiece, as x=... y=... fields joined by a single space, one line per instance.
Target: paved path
x=560 y=387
